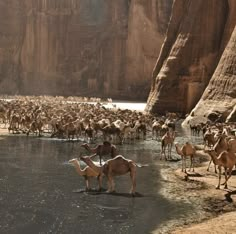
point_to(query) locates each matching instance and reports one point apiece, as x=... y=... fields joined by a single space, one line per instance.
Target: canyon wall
x=199 y=33
x=80 y=47
x=148 y=22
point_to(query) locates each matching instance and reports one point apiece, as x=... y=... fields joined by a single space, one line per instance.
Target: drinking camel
x=87 y=172
x=114 y=167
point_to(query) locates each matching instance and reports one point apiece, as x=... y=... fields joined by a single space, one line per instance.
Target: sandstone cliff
x=69 y=47
x=197 y=36
x=148 y=21
x=219 y=99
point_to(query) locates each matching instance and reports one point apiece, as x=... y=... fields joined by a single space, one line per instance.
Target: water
x=41 y=193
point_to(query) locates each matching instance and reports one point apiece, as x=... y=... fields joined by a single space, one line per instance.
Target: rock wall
x=148 y=21
x=79 y=47
x=197 y=36
x=218 y=102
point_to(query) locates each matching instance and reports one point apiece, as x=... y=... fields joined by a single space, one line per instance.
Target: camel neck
x=78 y=168
x=91 y=164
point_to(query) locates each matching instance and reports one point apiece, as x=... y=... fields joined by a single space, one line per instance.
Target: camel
x=167 y=141
x=186 y=150
x=209 y=139
x=226 y=159
x=114 y=167
x=156 y=129
x=232 y=144
x=87 y=172
x=101 y=150
x=220 y=146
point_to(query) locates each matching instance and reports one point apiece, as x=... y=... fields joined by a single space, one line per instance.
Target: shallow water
x=41 y=193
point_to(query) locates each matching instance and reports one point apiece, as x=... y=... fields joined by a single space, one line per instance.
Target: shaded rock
x=219 y=99
x=195 y=41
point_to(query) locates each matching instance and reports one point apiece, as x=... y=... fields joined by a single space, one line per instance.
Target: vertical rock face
x=148 y=21
x=219 y=99
x=68 y=47
x=12 y=18
x=197 y=35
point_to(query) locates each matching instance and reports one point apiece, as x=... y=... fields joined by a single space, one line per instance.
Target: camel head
x=73 y=160
x=84 y=158
x=176 y=144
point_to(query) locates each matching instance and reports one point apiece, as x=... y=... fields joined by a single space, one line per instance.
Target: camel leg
x=99 y=178
x=193 y=162
x=185 y=164
x=162 y=152
x=87 y=184
x=227 y=178
x=218 y=186
x=215 y=169
x=110 y=183
x=133 y=179
x=209 y=165
x=182 y=164
x=169 y=149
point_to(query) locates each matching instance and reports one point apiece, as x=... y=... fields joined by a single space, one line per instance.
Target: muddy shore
x=217 y=208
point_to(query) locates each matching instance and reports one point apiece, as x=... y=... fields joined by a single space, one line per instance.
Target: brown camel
x=167 y=141
x=114 y=167
x=220 y=146
x=102 y=150
x=226 y=159
x=187 y=150
x=87 y=172
x=209 y=139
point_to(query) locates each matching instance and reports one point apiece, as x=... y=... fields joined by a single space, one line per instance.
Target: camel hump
x=119 y=156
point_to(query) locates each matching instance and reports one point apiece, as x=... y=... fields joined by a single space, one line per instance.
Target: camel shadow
x=194 y=174
x=173 y=160
x=103 y=192
x=229 y=194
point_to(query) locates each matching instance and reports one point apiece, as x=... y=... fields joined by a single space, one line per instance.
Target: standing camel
x=220 y=146
x=187 y=150
x=87 y=172
x=102 y=150
x=226 y=159
x=167 y=141
x=114 y=167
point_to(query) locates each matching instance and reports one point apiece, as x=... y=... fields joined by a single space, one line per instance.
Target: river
x=41 y=193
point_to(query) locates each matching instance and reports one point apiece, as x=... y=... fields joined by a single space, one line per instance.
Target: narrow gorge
x=178 y=55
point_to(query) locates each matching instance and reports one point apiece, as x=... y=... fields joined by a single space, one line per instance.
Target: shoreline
x=219 y=204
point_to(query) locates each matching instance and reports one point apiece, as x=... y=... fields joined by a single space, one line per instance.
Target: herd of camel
x=72 y=119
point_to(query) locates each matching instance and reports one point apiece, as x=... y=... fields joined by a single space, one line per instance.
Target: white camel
x=86 y=172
